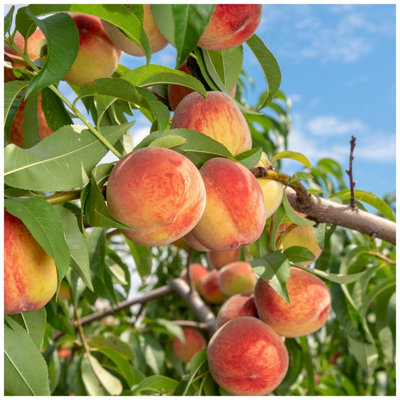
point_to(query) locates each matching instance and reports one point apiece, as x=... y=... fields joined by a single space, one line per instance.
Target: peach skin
x=194 y=342
x=218 y=259
x=210 y=290
x=238 y=305
x=237 y=277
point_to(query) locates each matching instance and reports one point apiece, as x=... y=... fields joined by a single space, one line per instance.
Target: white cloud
x=326 y=125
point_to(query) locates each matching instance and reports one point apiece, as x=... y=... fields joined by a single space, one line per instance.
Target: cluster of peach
x=247 y=354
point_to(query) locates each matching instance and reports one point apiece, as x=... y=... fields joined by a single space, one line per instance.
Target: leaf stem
x=62 y=197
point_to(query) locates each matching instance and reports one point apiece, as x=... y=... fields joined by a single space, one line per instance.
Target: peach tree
x=193 y=265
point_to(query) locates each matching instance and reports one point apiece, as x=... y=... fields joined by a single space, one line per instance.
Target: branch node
x=349 y=172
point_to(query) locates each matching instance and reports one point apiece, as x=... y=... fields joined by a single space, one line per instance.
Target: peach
x=310 y=302
x=194 y=342
x=218 y=259
x=237 y=277
x=230 y=25
x=17 y=132
x=239 y=305
x=177 y=92
x=217 y=116
x=157 y=192
x=193 y=243
x=30 y=274
x=247 y=358
x=34 y=45
x=300 y=236
x=210 y=290
x=197 y=273
x=97 y=57
x=156 y=39
x=235 y=209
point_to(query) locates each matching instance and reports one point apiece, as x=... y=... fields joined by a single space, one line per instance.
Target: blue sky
x=338 y=68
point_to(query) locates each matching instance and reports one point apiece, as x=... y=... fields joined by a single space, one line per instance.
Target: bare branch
x=349 y=172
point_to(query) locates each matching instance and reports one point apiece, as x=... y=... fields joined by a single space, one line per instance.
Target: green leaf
x=279 y=217
x=150 y=75
x=153 y=353
x=298 y=254
x=114 y=343
x=25 y=371
x=142 y=257
x=126 y=18
x=171 y=328
x=157 y=384
x=11 y=91
x=98 y=381
x=250 y=158
x=369 y=198
x=292 y=215
x=198 y=147
x=274 y=268
x=77 y=244
x=54 y=110
x=308 y=365
x=62 y=43
x=123 y=89
x=366 y=354
x=34 y=323
x=94 y=205
x=182 y=25
x=168 y=142
x=8 y=19
x=269 y=65
x=44 y=224
x=300 y=176
x=61 y=161
x=292 y=155
x=30 y=124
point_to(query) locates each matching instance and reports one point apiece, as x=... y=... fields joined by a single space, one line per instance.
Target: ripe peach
x=218 y=259
x=197 y=273
x=193 y=243
x=300 y=236
x=17 y=132
x=157 y=192
x=30 y=274
x=177 y=92
x=246 y=357
x=97 y=57
x=230 y=25
x=217 y=116
x=235 y=209
x=210 y=290
x=310 y=302
x=35 y=42
x=156 y=39
x=195 y=342
x=237 y=277
x=239 y=305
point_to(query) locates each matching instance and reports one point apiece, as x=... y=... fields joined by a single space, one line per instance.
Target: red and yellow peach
x=239 y=305
x=237 y=277
x=210 y=290
x=194 y=342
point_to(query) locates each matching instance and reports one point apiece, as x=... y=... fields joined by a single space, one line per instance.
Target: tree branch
x=349 y=172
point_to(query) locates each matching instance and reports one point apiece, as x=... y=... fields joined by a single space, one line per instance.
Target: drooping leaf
x=168 y=142
x=30 y=125
x=25 y=371
x=299 y=254
x=54 y=110
x=43 y=222
x=292 y=215
x=8 y=19
x=250 y=158
x=11 y=91
x=182 y=25
x=158 y=384
x=142 y=257
x=292 y=155
x=61 y=161
x=366 y=354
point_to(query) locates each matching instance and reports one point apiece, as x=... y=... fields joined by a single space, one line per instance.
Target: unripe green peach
x=210 y=290
x=218 y=259
x=97 y=57
x=30 y=274
x=247 y=358
x=235 y=209
x=194 y=342
x=156 y=39
x=230 y=25
x=310 y=302
x=239 y=305
x=217 y=116
x=237 y=277
x=157 y=192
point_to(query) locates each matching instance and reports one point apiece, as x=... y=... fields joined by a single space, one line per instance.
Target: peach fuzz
x=230 y=25
x=246 y=357
x=197 y=273
x=97 y=57
x=310 y=302
x=30 y=274
x=16 y=135
x=156 y=40
x=194 y=342
x=217 y=116
x=300 y=236
x=157 y=192
x=218 y=259
x=235 y=209
x=237 y=277
x=239 y=305
x=210 y=290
